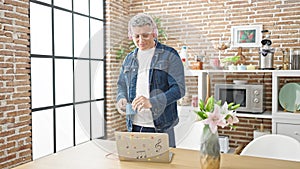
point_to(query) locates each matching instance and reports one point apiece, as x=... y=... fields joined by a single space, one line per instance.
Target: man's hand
x=121 y=106
x=141 y=102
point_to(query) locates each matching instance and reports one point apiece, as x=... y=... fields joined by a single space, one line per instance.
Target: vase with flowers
x=213 y=114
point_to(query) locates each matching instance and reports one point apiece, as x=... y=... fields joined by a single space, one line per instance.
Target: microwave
x=249 y=96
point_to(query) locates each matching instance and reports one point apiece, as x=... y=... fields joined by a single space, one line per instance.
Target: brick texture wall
x=200 y=25
x=15 y=114
x=117 y=16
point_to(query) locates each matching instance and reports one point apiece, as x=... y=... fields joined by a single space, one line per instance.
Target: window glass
x=96 y=7
x=43 y=135
x=81 y=36
x=82 y=123
x=82 y=85
x=40 y=29
x=97 y=80
x=81 y=6
x=41 y=81
x=64 y=127
x=97 y=43
x=62 y=33
x=67 y=4
x=63 y=81
x=97 y=119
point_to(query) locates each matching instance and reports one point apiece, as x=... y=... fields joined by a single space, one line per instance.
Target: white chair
x=191 y=138
x=274 y=146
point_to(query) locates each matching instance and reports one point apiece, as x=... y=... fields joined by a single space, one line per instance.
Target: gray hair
x=140 y=20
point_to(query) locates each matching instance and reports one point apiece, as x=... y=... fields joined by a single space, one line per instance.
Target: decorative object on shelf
x=239 y=58
x=242 y=59
x=289 y=97
x=295 y=59
x=198 y=63
x=266 y=53
x=250 y=67
x=241 y=67
x=194 y=101
x=246 y=36
x=222 y=44
x=231 y=59
x=286 y=64
x=213 y=114
x=215 y=63
x=184 y=57
x=232 y=67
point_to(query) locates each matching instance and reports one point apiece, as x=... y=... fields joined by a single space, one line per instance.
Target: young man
x=151 y=81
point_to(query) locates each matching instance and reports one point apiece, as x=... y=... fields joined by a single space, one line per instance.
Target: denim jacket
x=166 y=84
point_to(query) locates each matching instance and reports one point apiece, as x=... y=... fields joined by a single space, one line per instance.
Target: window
x=67 y=73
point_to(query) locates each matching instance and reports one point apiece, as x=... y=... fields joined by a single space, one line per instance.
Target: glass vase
x=210 y=156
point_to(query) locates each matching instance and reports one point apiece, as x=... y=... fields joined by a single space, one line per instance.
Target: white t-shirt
x=144 y=117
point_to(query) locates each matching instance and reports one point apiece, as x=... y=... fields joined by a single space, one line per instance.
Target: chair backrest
x=274 y=146
x=191 y=139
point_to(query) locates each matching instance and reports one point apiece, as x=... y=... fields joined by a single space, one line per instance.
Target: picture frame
x=246 y=36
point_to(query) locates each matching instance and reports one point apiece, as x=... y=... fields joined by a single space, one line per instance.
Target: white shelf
x=190 y=72
x=286 y=115
x=283 y=122
x=265 y=115
x=285 y=73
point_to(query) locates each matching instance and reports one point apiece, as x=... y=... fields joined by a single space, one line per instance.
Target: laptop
x=136 y=146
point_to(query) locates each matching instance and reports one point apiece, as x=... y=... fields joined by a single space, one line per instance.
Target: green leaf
x=209 y=107
x=227 y=116
x=230 y=105
x=201 y=114
x=121 y=53
x=232 y=59
x=201 y=105
x=235 y=107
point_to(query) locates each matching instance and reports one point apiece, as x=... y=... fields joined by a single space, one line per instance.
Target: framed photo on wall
x=246 y=36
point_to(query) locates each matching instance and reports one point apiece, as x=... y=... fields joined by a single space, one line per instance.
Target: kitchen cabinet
x=287 y=123
x=289 y=129
x=202 y=86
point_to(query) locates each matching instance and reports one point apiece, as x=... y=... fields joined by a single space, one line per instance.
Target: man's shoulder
x=165 y=47
x=129 y=56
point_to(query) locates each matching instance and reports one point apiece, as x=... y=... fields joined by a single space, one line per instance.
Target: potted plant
x=214 y=114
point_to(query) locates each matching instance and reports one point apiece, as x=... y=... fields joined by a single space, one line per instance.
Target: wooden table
x=96 y=155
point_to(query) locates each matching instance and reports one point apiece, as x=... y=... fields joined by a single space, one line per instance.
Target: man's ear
x=155 y=32
x=129 y=35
